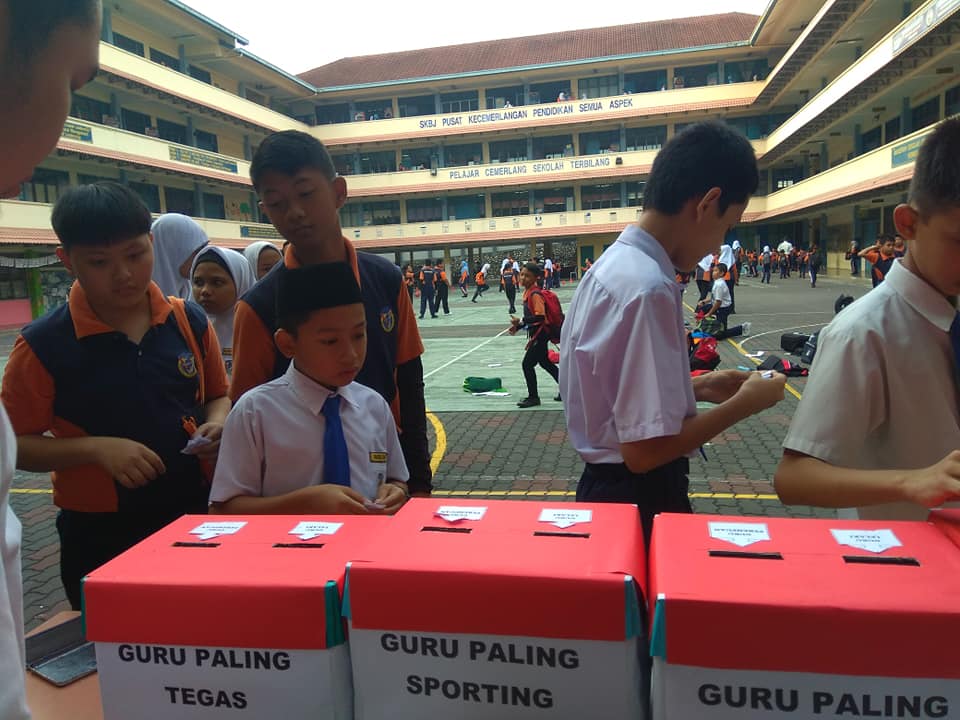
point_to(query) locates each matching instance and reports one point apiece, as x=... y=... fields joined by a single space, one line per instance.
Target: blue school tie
x=336 y=462
x=955 y=344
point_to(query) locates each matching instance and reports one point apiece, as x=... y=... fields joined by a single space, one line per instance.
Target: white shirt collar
x=312 y=394
x=639 y=238
x=921 y=296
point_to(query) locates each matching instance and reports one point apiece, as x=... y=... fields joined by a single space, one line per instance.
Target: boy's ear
x=286 y=343
x=707 y=206
x=65 y=259
x=340 y=190
x=906 y=218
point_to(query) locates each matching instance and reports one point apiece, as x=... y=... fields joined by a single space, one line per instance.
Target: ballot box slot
x=306 y=545
x=196 y=544
x=871 y=560
x=431 y=528
x=548 y=533
x=745 y=555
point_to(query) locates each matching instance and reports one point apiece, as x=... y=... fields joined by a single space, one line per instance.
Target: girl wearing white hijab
x=220 y=276
x=261 y=256
x=176 y=241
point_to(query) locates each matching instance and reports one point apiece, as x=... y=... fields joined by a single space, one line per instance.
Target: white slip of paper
x=452 y=513
x=739 y=534
x=875 y=541
x=564 y=519
x=308 y=530
x=210 y=530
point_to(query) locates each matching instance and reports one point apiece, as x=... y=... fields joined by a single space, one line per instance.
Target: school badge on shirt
x=187 y=364
x=388 y=320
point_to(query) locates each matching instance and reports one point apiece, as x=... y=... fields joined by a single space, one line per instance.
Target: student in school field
x=881 y=256
x=261 y=256
x=121 y=377
x=410 y=281
x=266 y=466
x=508 y=281
x=481 y=280
x=877 y=428
x=624 y=337
x=464 y=276
x=534 y=317
x=443 y=289
x=428 y=288
x=47 y=50
x=704 y=271
x=899 y=246
x=814 y=261
x=301 y=193
x=177 y=239
x=220 y=276
x=722 y=305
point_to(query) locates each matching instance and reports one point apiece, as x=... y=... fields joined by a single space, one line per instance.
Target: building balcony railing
x=29 y=223
x=167 y=82
x=129 y=147
x=620 y=107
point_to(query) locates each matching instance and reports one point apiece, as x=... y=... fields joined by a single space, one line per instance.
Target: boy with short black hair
x=301 y=193
x=428 y=288
x=358 y=468
x=722 y=305
x=624 y=338
x=877 y=428
x=881 y=256
x=119 y=376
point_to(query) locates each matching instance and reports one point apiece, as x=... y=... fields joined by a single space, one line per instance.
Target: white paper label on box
x=740 y=534
x=210 y=530
x=680 y=691
x=154 y=682
x=875 y=541
x=452 y=513
x=565 y=518
x=310 y=530
x=410 y=676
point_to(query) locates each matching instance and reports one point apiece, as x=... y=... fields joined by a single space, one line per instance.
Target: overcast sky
x=298 y=35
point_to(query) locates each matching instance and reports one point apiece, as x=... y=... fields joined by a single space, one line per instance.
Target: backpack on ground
x=553 y=315
x=810 y=348
x=772 y=362
x=705 y=355
x=793 y=343
x=480 y=384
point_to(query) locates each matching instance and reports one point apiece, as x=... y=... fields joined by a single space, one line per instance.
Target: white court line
x=463 y=355
x=781 y=330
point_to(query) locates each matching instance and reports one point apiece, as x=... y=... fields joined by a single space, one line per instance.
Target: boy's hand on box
x=392 y=497
x=935 y=485
x=759 y=392
x=129 y=463
x=333 y=500
x=213 y=432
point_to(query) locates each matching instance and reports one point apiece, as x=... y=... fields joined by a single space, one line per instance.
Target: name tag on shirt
x=378 y=457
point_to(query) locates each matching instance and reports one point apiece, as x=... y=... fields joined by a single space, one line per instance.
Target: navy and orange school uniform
x=409 y=282
x=881 y=265
x=508 y=279
x=392 y=367
x=428 y=287
x=442 y=291
x=72 y=375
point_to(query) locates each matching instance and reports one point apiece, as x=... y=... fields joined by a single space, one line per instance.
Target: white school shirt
x=273 y=439
x=624 y=369
x=721 y=292
x=13 y=703
x=881 y=393
x=706 y=262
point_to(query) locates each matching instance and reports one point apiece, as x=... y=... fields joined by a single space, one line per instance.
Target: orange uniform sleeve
x=28 y=391
x=253 y=350
x=537 y=308
x=214 y=371
x=872 y=256
x=409 y=345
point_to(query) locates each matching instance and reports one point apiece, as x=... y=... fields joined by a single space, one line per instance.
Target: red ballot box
x=499 y=609
x=948 y=522
x=227 y=617
x=761 y=618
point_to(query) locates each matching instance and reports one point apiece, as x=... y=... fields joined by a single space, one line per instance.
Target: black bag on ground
x=793 y=342
x=810 y=349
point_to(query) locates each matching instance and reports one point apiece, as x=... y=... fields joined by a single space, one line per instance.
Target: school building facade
x=538 y=146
